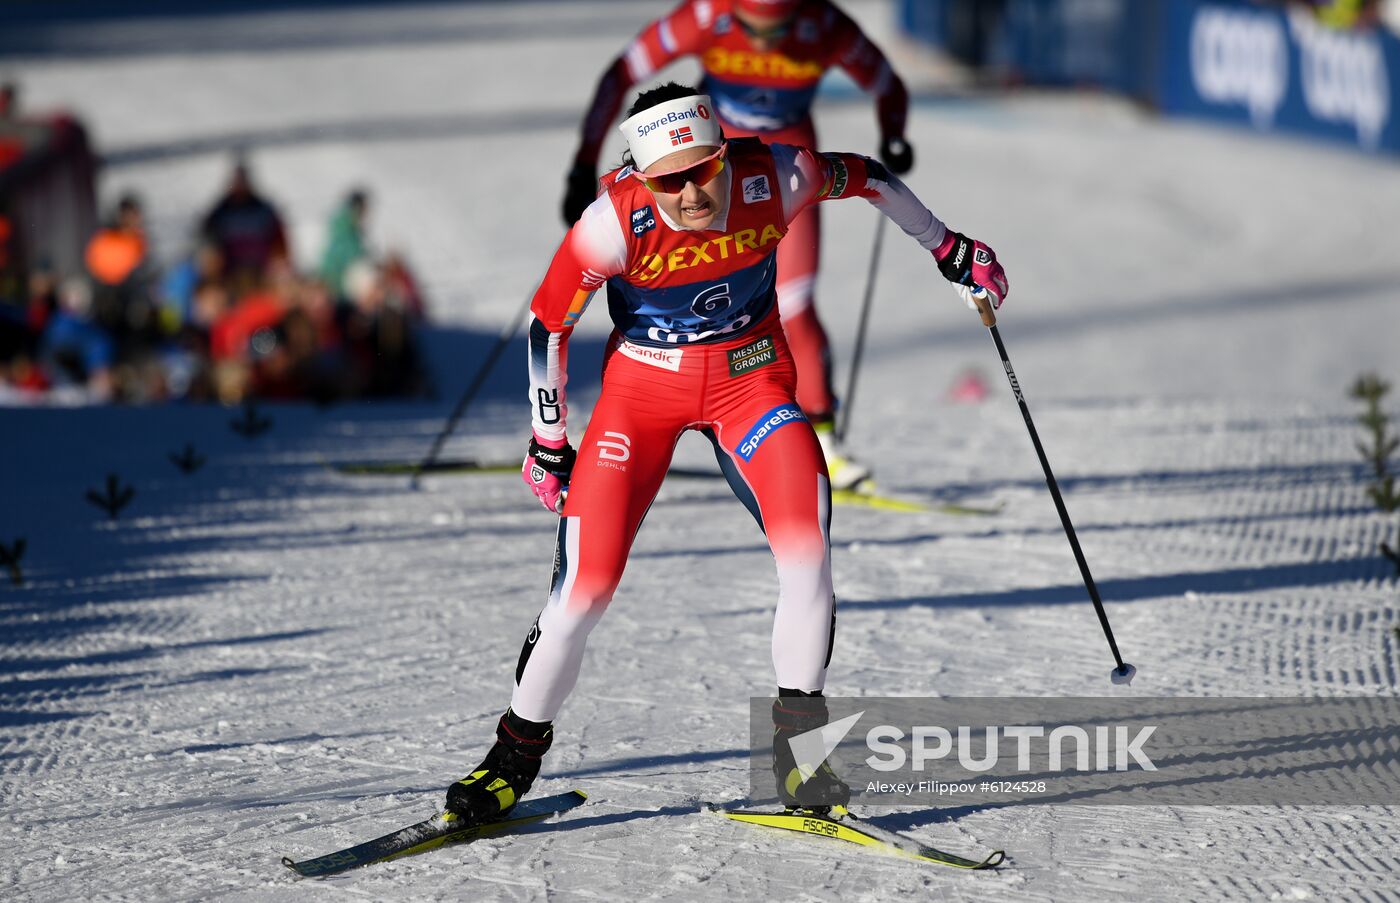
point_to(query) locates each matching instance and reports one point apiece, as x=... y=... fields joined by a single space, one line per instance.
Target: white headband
x=671 y=126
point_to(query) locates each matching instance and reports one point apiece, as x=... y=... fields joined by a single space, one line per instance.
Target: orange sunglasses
x=699 y=172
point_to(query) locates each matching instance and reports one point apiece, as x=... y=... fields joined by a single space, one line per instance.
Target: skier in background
x=685 y=238
x=762 y=61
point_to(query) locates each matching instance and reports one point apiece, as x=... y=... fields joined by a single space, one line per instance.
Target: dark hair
x=654 y=97
x=659 y=95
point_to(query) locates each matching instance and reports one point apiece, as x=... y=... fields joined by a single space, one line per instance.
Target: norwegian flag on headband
x=681 y=135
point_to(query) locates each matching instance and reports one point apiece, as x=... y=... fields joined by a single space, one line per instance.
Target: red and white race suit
x=697 y=345
x=766 y=94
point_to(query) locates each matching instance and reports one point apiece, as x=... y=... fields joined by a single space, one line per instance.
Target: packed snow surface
x=270 y=657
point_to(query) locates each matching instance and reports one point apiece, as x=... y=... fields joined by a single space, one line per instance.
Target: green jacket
x=344 y=246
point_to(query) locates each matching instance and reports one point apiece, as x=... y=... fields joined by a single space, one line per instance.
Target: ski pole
x=506 y=337
x=1123 y=674
x=848 y=400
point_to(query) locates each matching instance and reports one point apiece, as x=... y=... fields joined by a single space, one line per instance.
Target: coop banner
x=1275 y=67
x=1281 y=69
x=948 y=752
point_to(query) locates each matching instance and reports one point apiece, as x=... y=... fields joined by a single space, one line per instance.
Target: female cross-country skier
x=762 y=61
x=685 y=237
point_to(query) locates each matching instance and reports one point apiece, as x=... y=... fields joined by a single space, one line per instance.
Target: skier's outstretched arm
x=808 y=177
x=868 y=68
x=593 y=250
x=656 y=47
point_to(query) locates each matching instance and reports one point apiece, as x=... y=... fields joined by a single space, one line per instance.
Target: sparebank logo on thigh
x=770 y=422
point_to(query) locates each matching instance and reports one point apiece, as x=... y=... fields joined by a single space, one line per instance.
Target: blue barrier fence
x=1274 y=68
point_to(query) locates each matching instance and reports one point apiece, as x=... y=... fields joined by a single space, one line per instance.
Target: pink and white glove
x=972 y=267
x=546 y=471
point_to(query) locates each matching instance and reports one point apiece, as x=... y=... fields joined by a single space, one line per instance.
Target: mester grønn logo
x=1096 y=751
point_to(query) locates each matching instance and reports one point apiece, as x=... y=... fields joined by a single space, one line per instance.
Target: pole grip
x=983 y=300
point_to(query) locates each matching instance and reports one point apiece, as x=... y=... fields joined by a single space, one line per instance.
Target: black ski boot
x=505 y=775
x=812 y=786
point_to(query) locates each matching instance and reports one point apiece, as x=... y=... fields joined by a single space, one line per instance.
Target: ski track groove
x=1288 y=639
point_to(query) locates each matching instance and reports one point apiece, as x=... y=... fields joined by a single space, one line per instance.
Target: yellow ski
x=879 y=502
x=841 y=825
x=867 y=497
x=443 y=828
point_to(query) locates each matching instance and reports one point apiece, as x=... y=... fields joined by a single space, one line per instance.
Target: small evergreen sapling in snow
x=188 y=460
x=1379 y=445
x=116 y=498
x=252 y=424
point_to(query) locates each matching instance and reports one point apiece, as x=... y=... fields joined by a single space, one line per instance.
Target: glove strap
x=555 y=460
x=954 y=258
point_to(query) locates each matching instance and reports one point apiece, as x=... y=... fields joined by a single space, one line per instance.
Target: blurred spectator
x=10 y=276
x=186 y=357
x=43 y=298
x=75 y=351
x=345 y=243
x=244 y=332
x=229 y=321
x=319 y=304
x=1347 y=13
x=403 y=288
x=246 y=229
x=47 y=200
x=378 y=335
x=182 y=281
x=210 y=304
x=119 y=248
x=122 y=276
x=1341 y=14
x=18 y=340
